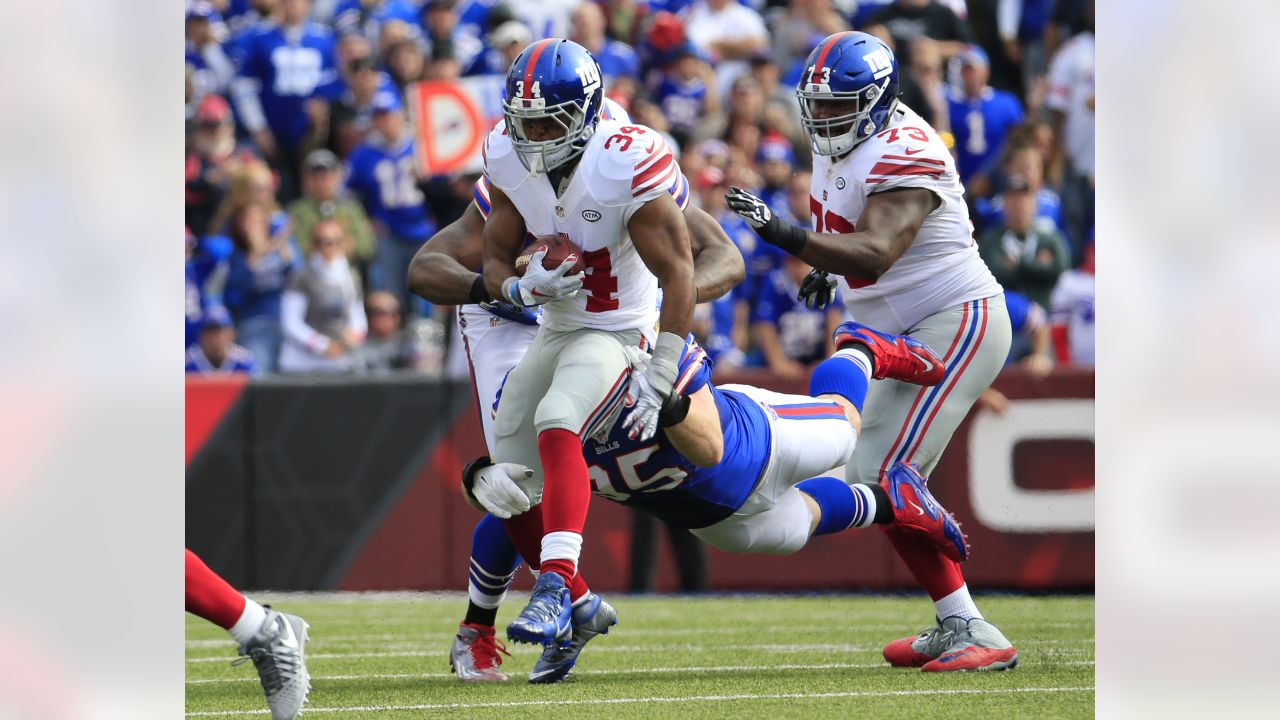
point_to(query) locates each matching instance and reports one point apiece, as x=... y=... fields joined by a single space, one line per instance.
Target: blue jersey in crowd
x=617 y=59
x=655 y=477
x=681 y=102
x=239 y=360
x=290 y=67
x=385 y=178
x=1024 y=315
x=980 y=127
x=350 y=16
x=802 y=331
x=255 y=290
x=989 y=212
x=473 y=16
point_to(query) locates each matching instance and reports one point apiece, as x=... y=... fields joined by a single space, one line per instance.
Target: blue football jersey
x=289 y=70
x=386 y=181
x=655 y=477
x=802 y=331
x=681 y=102
x=980 y=127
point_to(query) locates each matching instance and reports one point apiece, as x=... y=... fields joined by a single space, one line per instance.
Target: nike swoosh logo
x=917 y=507
x=535 y=675
x=535 y=293
x=928 y=364
x=913 y=152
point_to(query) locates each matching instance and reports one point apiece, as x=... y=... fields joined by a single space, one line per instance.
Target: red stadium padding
x=208 y=400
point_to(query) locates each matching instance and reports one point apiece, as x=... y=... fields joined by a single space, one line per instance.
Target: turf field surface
x=385 y=656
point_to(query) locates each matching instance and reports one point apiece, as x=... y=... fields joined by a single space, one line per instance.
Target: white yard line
x=250 y=678
x=658 y=699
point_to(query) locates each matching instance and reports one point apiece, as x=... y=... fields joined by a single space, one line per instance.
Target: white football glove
x=540 y=285
x=496 y=488
x=648 y=391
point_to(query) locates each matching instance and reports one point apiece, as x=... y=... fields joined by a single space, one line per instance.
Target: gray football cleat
x=277 y=652
x=918 y=650
x=590 y=618
x=977 y=645
x=475 y=655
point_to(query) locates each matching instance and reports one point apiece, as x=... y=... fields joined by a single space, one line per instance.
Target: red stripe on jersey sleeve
x=905 y=158
x=892 y=169
x=647 y=175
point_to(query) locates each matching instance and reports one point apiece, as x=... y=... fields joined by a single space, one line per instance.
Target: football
x=559 y=248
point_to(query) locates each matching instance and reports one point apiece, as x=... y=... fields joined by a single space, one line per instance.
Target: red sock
x=525 y=532
x=210 y=597
x=566 y=491
x=939 y=575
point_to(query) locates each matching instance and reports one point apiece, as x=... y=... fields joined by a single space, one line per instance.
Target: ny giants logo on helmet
x=879 y=62
x=589 y=74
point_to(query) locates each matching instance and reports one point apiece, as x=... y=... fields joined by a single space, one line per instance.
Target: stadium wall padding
x=353 y=484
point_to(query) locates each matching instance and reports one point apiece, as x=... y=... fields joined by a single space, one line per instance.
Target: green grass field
x=385 y=656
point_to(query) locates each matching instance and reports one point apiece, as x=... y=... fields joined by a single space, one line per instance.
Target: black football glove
x=818 y=290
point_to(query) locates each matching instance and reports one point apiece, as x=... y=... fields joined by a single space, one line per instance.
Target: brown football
x=559 y=249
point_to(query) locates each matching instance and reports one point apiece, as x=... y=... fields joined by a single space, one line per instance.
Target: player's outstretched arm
x=889 y=223
x=503 y=234
x=717 y=262
x=441 y=271
x=698 y=436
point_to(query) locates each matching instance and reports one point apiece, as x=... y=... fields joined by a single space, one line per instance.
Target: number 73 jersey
x=941 y=268
x=623 y=167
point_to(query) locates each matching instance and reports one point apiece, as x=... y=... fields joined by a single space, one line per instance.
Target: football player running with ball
x=890 y=224
x=558 y=168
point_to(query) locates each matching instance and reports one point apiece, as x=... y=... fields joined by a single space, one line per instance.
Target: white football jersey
x=623 y=167
x=941 y=268
x=1071 y=304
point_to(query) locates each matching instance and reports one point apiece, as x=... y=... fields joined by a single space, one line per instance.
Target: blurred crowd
x=304 y=203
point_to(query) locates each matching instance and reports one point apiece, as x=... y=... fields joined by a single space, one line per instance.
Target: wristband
x=479 y=293
x=469 y=480
x=674 y=410
x=783 y=235
x=511 y=291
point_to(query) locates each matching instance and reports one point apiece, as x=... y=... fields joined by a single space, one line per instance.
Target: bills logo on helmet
x=879 y=62
x=589 y=74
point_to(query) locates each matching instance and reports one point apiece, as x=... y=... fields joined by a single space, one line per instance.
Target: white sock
x=250 y=622
x=561 y=545
x=956 y=604
x=870 y=503
x=860 y=357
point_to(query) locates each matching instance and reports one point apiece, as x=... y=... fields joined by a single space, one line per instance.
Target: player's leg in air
x=907 y=424
x=273 y=640
x=815 y=433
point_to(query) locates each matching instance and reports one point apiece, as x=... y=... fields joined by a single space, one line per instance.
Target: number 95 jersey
x=941 y=268
x=623 y=167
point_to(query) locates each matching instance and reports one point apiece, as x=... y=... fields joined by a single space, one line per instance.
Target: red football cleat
x=917 y=650
x=915 y=511
x=897 y=357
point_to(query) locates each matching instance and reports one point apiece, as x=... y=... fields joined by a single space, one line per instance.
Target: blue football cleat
x=917 y=512
x=590 y=618
x=546 y=620
x=897 y=357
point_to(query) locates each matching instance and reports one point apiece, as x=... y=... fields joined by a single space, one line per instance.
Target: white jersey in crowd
x=622 y=168
x=941 y=269
x=1071 y=304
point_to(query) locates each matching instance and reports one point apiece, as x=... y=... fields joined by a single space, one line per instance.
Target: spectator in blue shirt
x=502 y=47
x=618 y=61
x=443 y=34
x=383 y=173
x=216 y=351
x=257 y=274
x=981 y=116
x=685 y=89
x=212 y=68
x=283 y=68
x=367 y=16
x=775 y=160
x=790 y=335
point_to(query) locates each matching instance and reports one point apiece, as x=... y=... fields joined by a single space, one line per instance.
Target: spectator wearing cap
x=981 y=116
x=728 y=33
x=389 y=347
x=321 y=311
x=216 y=351
x=350 y=116
x=504 y=45
x=212 y=70
x=1025 y=256
x=911 y=23
x=284 y=65
x=791 y=336
x=213 y=158
x=619 y=64
x=323 y=199
x=775 y=160
x=383 y=174
x=684 y=88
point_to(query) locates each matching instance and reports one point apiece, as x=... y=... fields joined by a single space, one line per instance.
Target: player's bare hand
x=540 y=285
x=818 y=290
x=497 y=488
x=335 y=349
x=751 y=208
x=1038 y=364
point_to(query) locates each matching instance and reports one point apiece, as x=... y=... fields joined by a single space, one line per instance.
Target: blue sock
x=493 y=563
x=843 y=374
x=843 y=506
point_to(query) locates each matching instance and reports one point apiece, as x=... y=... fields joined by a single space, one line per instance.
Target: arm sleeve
x=695 y=369
x=293 y=310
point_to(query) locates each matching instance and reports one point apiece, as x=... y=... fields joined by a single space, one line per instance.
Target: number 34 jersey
x=623 y=167
x=941 y=268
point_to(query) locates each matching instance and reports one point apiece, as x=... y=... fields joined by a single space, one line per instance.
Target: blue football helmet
x=554 y=94
x=853 y=71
